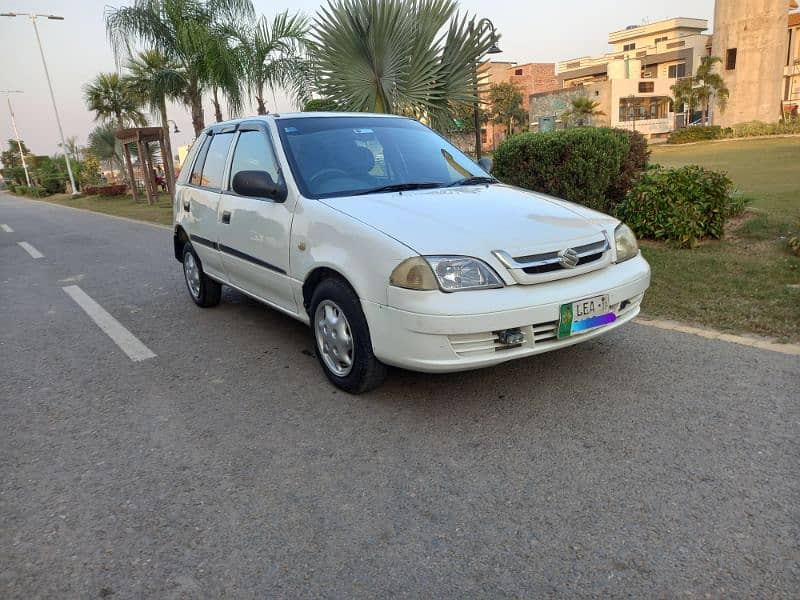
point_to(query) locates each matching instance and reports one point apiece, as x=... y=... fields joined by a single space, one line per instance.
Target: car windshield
x=345 y=156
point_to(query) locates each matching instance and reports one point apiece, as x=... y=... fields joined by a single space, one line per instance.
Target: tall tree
x=156 y=78
x=706 y=86
x=414 y=57
x=683 y=92
x=710 y=86
x=113 y=101
x=196 y=34
x=505 y=106
x=581 y=111
x=106 y=148
x=272 y=55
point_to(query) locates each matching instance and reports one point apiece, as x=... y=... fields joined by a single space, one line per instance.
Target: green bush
x=681 y=205
x=754 y=128
x=794 y=240
x=590 y=166
x=697 y=134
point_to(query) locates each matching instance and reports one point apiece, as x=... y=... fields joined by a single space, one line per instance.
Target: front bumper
x=437 y=332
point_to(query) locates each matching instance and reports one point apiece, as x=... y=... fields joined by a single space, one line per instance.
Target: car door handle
x=226 y=217
x=186 y=206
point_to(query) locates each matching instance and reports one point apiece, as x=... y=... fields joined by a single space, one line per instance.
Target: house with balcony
x=632 y=82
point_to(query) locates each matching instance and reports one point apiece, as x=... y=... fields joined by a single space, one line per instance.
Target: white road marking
x=30 y=250
x=753 y=342
x=123 y=338
x=6 y=228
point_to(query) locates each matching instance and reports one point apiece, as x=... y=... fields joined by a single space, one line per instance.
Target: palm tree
x=272 y=55
x=104 y=145
x=196 y=34
x=684 y=92
x=581 y=110
x=415 y=57
x=155 y=78
x=702 y=88
x=113 y=101
x=710 y=85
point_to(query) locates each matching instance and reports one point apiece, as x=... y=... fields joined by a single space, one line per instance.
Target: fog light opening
x=510 y=337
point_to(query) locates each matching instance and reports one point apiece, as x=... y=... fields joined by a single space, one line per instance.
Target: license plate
x=577 y=317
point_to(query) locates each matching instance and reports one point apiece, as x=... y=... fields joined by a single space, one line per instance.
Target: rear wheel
x=341 y=338
x=204 y=291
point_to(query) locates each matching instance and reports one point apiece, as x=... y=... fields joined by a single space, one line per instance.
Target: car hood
x=474 y=220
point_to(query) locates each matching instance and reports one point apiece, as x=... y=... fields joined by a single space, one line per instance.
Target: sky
x=76 y=49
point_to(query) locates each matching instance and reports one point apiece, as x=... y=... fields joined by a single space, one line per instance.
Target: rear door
x=201 y=198
x=254 y=232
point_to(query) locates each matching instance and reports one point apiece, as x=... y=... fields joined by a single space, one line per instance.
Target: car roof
x=231 y=124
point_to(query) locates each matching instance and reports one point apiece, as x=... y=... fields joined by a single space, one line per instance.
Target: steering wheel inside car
x=328 y=171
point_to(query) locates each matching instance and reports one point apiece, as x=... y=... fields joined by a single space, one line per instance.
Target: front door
x=254 y=232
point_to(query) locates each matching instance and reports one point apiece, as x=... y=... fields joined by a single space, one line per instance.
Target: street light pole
x=16 y=133
x=33 y=18
x=480 y=26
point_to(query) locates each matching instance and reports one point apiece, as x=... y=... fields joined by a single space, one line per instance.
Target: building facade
x=530 y=78
x=631 y=84
x=791 y=72
x=750 y=38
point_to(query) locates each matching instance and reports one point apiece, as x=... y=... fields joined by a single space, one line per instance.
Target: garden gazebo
x=142 y=136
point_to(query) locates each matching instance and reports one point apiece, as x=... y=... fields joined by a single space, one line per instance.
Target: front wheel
x=204 y=291
x=341 y=337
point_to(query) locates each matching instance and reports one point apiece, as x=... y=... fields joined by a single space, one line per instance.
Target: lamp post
x=33 y=17
x=16 y=132
x=477 y=29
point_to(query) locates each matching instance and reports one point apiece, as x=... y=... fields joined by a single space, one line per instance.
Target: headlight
x=451 y=273
x=625 y=240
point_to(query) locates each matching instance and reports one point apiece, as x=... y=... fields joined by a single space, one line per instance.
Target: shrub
x=587 y=165
x=105 y=190
x=634 y=163
x=681 y=205
x=754 y=128
x=794 y=240
x=697 y=134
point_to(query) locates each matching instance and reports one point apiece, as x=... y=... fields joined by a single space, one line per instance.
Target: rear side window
x=254 y=153
x=214 y=164
x=196 y=177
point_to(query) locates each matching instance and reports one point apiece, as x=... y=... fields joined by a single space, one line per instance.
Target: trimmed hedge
x=105 y=190
x=754 y=128
x=593 y=166
x=680 y=205
x=747 y=129
x=696 y=134
x=33 y=191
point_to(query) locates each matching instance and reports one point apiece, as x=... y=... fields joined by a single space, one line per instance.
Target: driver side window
x=253 y=152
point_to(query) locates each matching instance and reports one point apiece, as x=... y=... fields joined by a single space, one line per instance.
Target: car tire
x=336 y=316
x=203 y=290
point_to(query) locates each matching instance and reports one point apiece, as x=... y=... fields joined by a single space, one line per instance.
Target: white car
x=394 y=246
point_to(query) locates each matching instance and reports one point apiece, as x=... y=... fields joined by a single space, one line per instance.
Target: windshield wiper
x=476 y=180
x=400 y=187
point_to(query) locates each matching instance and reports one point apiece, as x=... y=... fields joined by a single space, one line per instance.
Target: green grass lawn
x=122 y=206
x=749 y=281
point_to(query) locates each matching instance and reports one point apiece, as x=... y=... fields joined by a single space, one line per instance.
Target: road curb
x=713 y=334
x=93 y=212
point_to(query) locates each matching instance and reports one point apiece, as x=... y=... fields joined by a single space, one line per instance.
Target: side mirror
x=258 y=184
x=486 y=163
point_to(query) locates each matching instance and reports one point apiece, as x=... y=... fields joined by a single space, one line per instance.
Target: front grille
x=583 y=260
x=592 y=254
x=599 y=247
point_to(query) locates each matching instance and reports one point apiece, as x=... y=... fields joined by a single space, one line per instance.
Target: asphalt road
x=647 y=463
